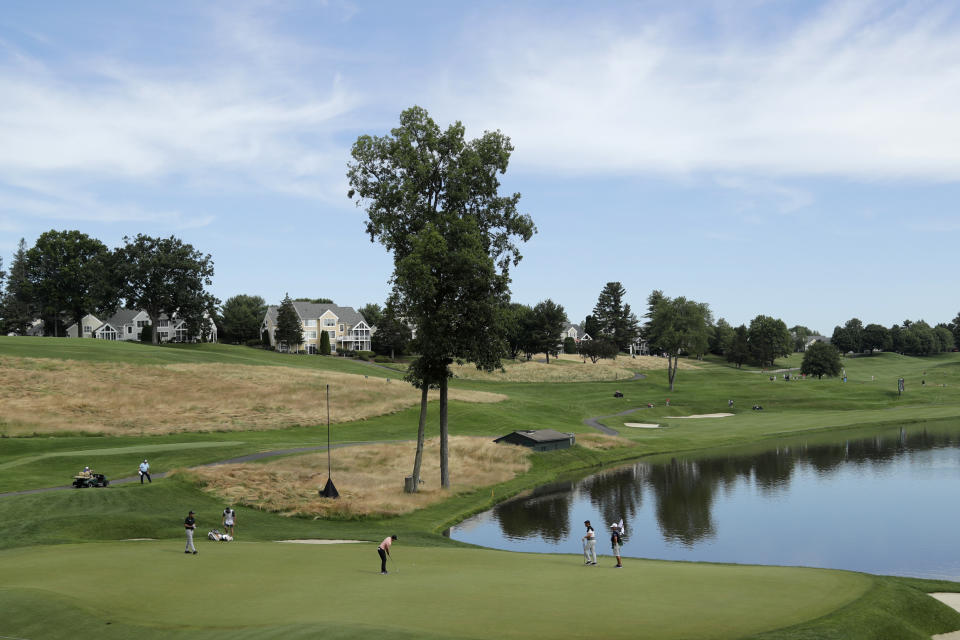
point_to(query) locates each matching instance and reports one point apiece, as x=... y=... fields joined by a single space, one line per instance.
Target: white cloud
x=857 y=90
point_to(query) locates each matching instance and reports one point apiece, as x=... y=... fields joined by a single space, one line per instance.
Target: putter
x=393 y=563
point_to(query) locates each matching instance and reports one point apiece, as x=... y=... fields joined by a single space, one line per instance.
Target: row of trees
x=68 y=274
x=911 y=338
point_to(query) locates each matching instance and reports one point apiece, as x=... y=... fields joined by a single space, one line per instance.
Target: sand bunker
x=641 y=425
x=705 y=415
x=317 y=541
x=951 y=600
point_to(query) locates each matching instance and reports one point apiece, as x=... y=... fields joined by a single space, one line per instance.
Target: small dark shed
x=540 y=439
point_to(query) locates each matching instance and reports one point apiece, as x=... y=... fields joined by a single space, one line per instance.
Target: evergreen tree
x=289 y=327
x=570 y=345
x=146 y=334
x=614 y=317
x=324 y=343
x=721 y=337
x=17 y=307
x=241 y=318
x=548 y=320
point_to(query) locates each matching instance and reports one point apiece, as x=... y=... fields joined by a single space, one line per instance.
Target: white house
x=127 y=324
x=347 y=329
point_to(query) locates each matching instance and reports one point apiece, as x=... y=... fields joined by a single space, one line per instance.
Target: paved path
x=162 y=474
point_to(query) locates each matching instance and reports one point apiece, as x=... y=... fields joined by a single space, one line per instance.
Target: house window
x=181 y=335
x=342 y=328
x=311 y=323
x=333 y=335
x=129 y=329
x=310 y=335
x=163 y=335
x=163 y=323
x=86 y=328
x=142 y=323
x=329 y=322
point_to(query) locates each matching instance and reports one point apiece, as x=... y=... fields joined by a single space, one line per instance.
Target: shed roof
x=538 y=435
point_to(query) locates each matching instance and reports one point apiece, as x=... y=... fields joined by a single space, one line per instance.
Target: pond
x=882 y=502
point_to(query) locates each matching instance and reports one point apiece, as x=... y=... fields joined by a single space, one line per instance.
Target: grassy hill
x=483 y=592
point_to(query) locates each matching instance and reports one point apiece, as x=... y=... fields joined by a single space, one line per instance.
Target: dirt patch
x=44 y=396
x=369 y=478
x=602 y=442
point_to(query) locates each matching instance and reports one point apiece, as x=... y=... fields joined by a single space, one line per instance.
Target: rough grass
x=369 y=478
x=45 y=396
x=565 y=369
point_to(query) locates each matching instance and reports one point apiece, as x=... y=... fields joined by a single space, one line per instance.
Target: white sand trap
x=318 y=541
x=951 y=600
x=641 y=425
x=705 y=415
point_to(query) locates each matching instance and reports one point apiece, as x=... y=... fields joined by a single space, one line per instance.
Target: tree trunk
x=420 y=433
x=79 y=321
x=672 y=368
x=154 y=336
x=444 y=461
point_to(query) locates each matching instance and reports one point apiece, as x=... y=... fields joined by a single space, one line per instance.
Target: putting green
x=155 y=588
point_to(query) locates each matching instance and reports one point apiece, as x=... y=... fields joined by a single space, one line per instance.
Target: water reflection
x=739 y=504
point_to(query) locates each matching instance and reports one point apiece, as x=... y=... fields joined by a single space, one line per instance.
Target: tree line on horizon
x=67 y=274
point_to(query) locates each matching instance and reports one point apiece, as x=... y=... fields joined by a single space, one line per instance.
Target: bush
x=365 y=355
x=382 y=359
x=346 y=353
x=255 y=342
x=146 y=334
x=569 y=345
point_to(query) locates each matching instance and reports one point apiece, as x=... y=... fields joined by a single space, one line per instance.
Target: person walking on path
x=384 y=550
x=228 y=520
x=145 y=471
x=190 y=524
x=615 y=542
x=589 y=544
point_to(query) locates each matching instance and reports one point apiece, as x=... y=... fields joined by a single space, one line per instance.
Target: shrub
x=255 y=342
x=146 y=334
x=569 y=345
x=365 y=355
x=382 y=359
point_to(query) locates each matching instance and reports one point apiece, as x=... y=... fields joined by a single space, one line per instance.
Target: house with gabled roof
x=346 y=328
x=574 y=331
x=127 y=324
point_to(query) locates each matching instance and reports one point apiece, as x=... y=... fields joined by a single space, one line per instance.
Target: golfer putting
x=383 y=551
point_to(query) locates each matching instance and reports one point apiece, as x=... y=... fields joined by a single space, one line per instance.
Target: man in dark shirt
x=190 y=524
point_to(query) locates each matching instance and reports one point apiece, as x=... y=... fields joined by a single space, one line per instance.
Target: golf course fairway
x=152 y=589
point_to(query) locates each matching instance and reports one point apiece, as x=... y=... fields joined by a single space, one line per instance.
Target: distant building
x=127 y=324
x=540 y=439
x=812 y=339
x=347 y=329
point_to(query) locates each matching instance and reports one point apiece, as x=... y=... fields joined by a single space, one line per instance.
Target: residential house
x=574 y=331
x=812 y=339
x=639 y=347
x=127 y=324
x=347 y=329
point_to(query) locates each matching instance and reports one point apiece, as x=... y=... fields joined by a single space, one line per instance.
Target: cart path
x=247 y=458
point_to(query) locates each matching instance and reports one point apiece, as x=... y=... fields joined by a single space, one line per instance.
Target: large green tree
x=739 y=350
x=289 y=329
x=821 y=359
x=432 y=199
x=392 y=336
x=74 y=274
x=876 y=337
x=614 y=317
x=17 y=307
x=547 y=324
x=598 y=348
x=161 y=275
x=676 y=326
x=516 y=319
x=720 y=337
x=769 y=339
x=241 y=318
x=372 y=313
x=800 y=334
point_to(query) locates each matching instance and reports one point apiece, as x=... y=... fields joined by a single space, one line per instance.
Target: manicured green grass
x=440 y=592
x=247 y=590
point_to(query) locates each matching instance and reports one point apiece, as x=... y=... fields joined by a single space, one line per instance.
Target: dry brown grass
x=601 y=442
x=41 y=395
x=570 y=368
x=369 y=478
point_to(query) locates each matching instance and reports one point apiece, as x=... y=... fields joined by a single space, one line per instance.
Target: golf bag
x=215 y=535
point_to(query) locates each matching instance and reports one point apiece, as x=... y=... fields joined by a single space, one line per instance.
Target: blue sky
x=795 y=159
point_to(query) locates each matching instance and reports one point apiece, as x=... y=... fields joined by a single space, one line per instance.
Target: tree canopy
x=432 y=199
x=17 y=306
x=547 y=324
x=675 y=326
x=821 y=359
x=241 y=318
x=72 y=273
x=163 y=275
x=614 y=317
x=769 y=339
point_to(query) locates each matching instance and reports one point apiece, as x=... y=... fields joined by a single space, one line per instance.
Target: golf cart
x=93 y=480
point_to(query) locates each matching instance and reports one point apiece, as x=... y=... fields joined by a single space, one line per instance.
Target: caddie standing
x=145 y=471
x=190 y=524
